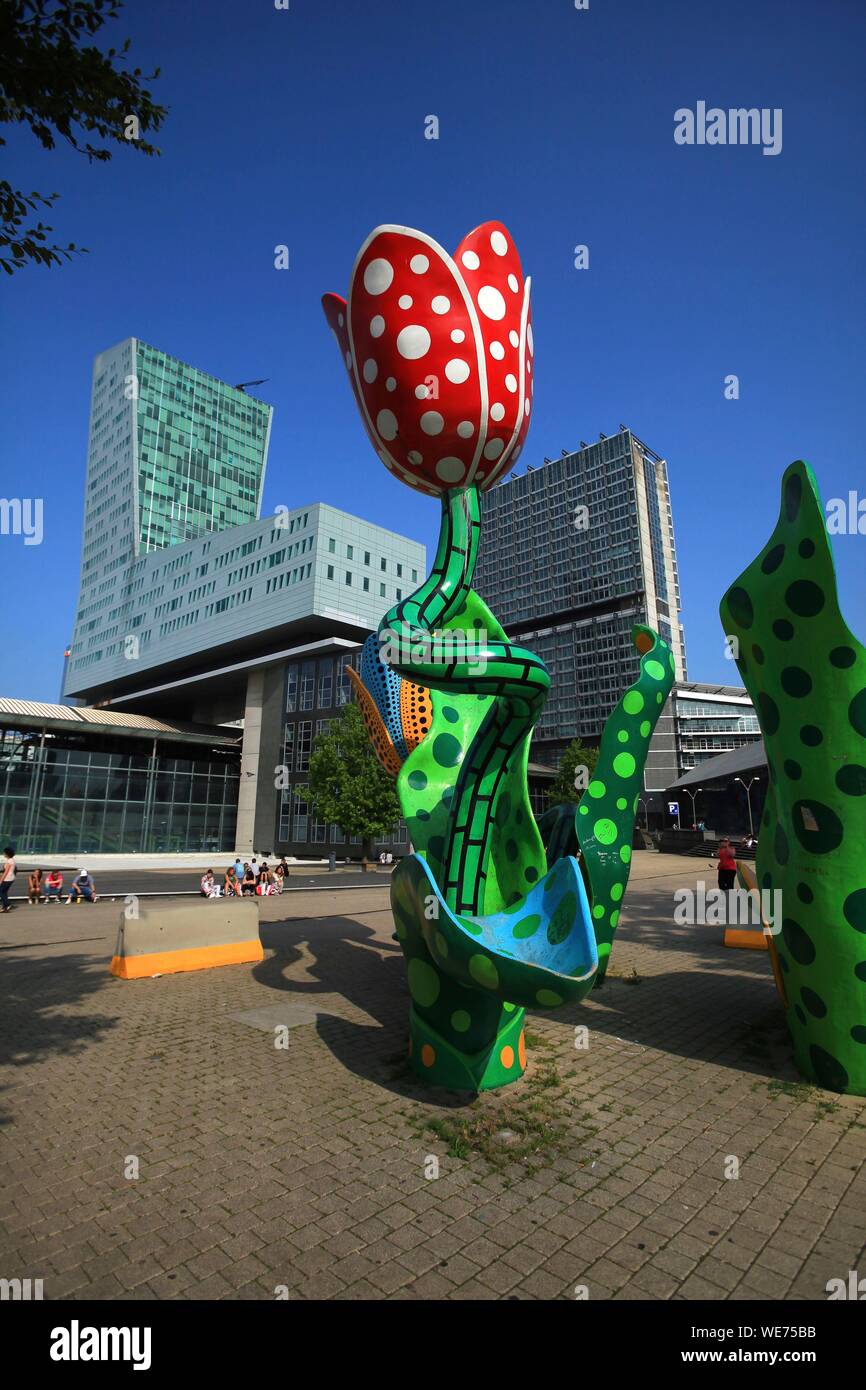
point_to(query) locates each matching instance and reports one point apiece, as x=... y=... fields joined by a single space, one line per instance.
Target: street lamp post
x=694 y=796
x=642 y=803
x=748 y=787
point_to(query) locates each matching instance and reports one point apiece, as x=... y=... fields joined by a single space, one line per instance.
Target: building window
x=349 y=578
x=399 y=571
x=366 y=586
x=399 y=593
x=308 y=685
x=381 y=590
x=326 y=683
x=330 y=571
x=350 y=552
x=303 y=744
x=414 y=576
x=383 y=565
x=292 y=688
x=366 y=557
x=332 y=546
x=344 y=685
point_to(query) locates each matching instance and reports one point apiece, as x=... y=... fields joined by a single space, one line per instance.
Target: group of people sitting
x=244 y=878
x=48 y=887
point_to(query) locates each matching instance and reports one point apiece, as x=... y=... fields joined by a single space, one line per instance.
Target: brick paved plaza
x=307 y=1168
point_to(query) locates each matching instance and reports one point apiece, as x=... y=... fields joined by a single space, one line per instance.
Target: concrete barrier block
x=197 y=935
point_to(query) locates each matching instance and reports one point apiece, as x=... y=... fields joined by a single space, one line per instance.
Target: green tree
x=61 y=86
x=348 y=786
x=576 y=755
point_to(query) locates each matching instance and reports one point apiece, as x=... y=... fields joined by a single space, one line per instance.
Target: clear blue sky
x=306 y=128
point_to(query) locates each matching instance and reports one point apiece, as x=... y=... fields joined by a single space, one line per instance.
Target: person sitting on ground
x=239 y=868
x=727 y=866
x=82 y=887
x=207 y=884
x=231 y=886
x=283 y=868
x=267 y=882
x=34 y=887
x=248 y=882
x=255 y=868
x=264 y=868
x=53 y=886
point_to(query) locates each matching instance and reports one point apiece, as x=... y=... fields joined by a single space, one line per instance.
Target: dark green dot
x=799 y=1012
x=854 y=908
x=422 y=815
x=450 y=713
x=780 y=846
x=814 y=1003
x=817 y=827
x=804 y=598
x=783 y=629
x=446 y=750
x=796 y=682
x=793 y=770
x=511 y=850
x=435 y=848
x=773 y=559
x=769 y=713
x=843 y=657
x=857 y=712
x=798 y=942
x=804 y=893
x=793 y=496
x=417 y=781
x=852 y=780
x=530 y=874
x=503 y=809
x=811 y=735
x=828 y=1069
x=860 y=970
x=758 y=654
x=806 y=548
x=858 y=1033
x=740 y=606
x=562 y=919
x=447 y=796
x=766 y=879
x=477 y=622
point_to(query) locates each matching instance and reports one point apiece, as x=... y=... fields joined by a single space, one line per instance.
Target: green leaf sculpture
x=806 y=674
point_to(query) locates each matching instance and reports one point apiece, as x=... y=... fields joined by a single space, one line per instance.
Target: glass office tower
x=573 y=554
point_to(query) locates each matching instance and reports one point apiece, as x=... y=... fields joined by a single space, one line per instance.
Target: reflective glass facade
x=68 y=793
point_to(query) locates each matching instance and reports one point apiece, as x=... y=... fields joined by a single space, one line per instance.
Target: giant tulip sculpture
x=440 y=356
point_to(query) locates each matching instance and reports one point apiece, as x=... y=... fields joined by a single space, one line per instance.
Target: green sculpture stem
x=515 y=678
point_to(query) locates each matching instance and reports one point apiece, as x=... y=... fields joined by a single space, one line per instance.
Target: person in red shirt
x=727 y=866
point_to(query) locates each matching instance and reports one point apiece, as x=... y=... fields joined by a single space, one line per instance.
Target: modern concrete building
x=573 y=554
x=194 y=608
x=698 y=723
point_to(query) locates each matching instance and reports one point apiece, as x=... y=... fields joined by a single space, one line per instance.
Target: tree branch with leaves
x=64 y=88
x=348 y=786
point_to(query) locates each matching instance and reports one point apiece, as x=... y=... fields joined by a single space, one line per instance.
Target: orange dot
x=643 y=642
x=428 y=1056
x=506 y=1057
x=521 y=1049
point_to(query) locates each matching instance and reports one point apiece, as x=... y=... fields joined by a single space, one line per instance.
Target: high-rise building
x=198 y=612
x=573 y=554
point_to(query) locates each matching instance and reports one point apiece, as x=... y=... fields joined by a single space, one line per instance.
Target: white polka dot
x=511 y=382
x=413 y=342
x=371 y=370
x=513 y=339
x=457 y=370
x=497 y=412
x=419 y=264
x=494 y=448
x=499 y=244
x=528 y=365
x=349 y=361
x=527 y=407
x=491 y=303
x=422 y=392
x=529 y=340
x=466 y=429
x=457 y=335
x=513 y=284
x=479 y=476
x=415 y=458
x=386 y=424
x=405 y=301
x=441 y=304
x=378 y=276
x=450 y=470
x=432 y=422
x=391 y=383
x=497 y=351
x=340 y=320
x=377 y=326
x=470 y=260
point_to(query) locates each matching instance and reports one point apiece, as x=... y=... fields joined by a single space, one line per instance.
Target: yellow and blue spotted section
x=397 y=713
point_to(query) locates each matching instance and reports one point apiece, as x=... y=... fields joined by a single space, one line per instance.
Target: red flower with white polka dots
x=439 y=353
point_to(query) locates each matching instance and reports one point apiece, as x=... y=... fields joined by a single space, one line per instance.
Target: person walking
x=9 y=871
x=727 y=866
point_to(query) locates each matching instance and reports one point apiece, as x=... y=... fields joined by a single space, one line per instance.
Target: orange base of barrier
x=172 y=962
x=752 y=940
